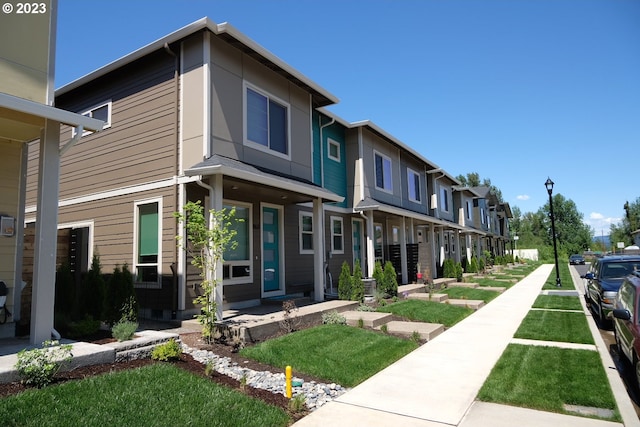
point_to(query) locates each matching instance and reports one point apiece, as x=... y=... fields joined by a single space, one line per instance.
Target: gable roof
x=229 y=34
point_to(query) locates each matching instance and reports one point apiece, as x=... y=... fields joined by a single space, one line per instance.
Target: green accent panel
x=148 y=229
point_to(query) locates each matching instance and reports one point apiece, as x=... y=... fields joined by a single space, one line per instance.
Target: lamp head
x=549 y=185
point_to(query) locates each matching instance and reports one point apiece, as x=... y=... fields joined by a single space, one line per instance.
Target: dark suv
x=626 y=319
x=603 y=280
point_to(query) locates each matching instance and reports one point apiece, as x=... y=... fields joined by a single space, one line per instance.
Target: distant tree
x=472 y=179
x=630 y=223
x=573 y=235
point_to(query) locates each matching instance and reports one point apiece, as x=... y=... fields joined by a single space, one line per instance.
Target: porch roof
x=372 y=204
x=226 y=166
x=23 y=120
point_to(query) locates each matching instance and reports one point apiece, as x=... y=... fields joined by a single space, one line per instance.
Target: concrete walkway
x=436 y=385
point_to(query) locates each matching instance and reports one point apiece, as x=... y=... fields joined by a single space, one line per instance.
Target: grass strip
x=469 y=293
x=566 y=281
x=338 y=353
x=155 y=395
x=546 y=378
x=557 y=302
x=428 y=311
x=557 y=326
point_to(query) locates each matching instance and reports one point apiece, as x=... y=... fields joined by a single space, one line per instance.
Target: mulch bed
x=186 y=362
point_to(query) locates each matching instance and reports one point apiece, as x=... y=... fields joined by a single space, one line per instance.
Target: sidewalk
x=436 y=385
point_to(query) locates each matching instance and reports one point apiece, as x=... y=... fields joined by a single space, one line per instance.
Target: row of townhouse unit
x=207 y=114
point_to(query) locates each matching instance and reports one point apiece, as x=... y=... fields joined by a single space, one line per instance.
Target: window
x=444 y=196
x=306 y=233
x=99 y=112
x=266 y=122
x=413 y=185
x=482 y=215
x=378 y=242
x=337 y=235
x=468 y=209
x=147 y=250
x=383 y=172
x=237 y=259
x=333 y=150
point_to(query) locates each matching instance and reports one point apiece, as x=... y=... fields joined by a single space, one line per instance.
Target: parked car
x=603 y=280
x=625 y=321
x=576 y=259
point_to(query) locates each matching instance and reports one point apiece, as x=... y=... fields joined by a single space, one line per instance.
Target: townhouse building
x=206 y=114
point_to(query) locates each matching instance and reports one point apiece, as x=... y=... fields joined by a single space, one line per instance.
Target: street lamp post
x=549 y=185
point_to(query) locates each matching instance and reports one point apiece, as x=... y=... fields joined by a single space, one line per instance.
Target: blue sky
x=515 y=90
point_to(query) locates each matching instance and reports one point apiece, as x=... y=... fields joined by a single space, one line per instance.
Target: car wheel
x=604 y=322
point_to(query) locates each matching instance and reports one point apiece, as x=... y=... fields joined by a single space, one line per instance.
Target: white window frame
x=333 y=143
x=89 y=113
x=267 y=149
x=411 y=175
x=444 y=202
x=469 y=210
x=333 y=234
x=384 y=176
x=482 y=216
x=302 y=232
x=248 y=262
x=136 y=264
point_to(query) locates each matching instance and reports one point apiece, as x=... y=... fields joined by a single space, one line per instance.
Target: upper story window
x=333 y=150
x=413 y=185
x=444 y=199
x=468 y=209
x=100 y=112
x=383 y=172
x=266 y=122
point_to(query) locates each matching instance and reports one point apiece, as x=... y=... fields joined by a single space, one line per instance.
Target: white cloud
x=600 y=223
x=522 y=197
x=596 y=215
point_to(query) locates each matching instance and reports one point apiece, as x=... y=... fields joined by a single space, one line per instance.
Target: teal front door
x=270 y=250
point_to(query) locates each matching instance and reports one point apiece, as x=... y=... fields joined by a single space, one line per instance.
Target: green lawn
x=492 y=282
x=558 y=302
x=338 y=353
x=155 y=395
x=546 y=378
x=470 y=293
x=559 y=326
x=566 y=280
x=428 y=311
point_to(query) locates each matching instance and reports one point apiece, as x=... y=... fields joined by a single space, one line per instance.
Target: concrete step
x=462 y=285
x=427 y=331
x=425 y=297
x=442 y=281
x=470 y=303
x=141 y=345
x=411 y=289
x=370 y=319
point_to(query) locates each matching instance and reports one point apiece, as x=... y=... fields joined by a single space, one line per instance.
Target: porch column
x=44 y=264
x=216 y=205
x=371 y=256
x=318 y=250
x=403 y=252
x=434 y=254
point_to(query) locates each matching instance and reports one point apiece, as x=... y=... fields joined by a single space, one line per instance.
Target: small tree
x=206 y=242
x=357 y=285
x=119 y=293
x=449 y=268
x=378 y=275
x=92 y=291
x=344 y=282
x=389 y=280
x=472 y=267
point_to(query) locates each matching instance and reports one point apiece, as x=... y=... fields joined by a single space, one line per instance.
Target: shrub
x=170 y=350
x=124 y=330
x=92 y=291
x=38 y=367
x=378 y=274
x=357 y=285
x=333 y=318
x=83 y=327
x=364 y=307
x=449 y=268
x=297 y=403
x=472 y=267
x=344 y=282
x=459 y=271
x=120 y=296
x=389 y=280
x=65 y=292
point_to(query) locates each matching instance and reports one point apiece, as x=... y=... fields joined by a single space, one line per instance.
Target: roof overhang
x=244 y=171
x=23 y=120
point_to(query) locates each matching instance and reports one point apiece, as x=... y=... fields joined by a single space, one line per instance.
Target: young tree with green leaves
x=344 y=282
x=206 y=240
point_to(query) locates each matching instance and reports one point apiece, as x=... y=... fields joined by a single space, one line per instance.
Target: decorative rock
x=316 y=394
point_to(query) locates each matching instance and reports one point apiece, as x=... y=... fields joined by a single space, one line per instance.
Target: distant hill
x=604 y=239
